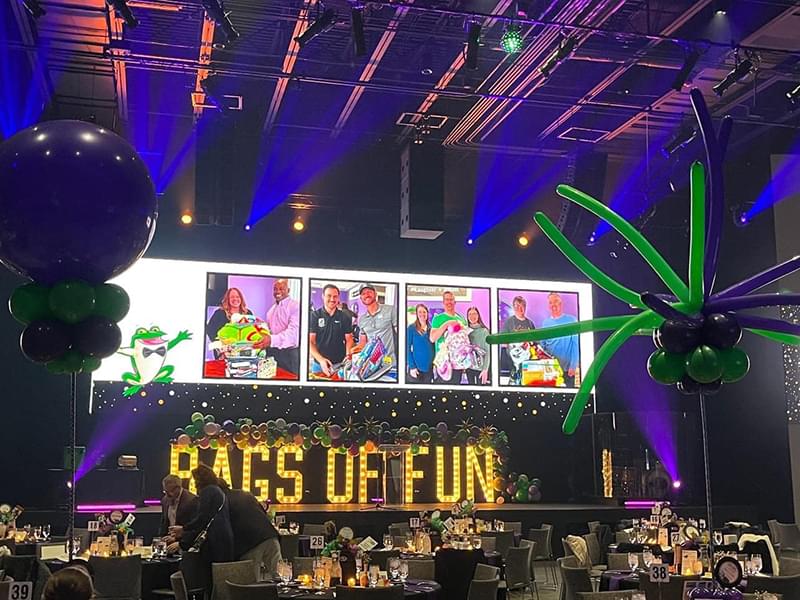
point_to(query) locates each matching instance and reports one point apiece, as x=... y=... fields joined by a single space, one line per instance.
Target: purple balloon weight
x=76 y=202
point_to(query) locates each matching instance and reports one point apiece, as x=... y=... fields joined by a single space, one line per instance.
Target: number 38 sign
x=20 y=590
x=659 y=573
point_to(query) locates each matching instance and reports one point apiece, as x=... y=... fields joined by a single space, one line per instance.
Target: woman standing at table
x=419 y=347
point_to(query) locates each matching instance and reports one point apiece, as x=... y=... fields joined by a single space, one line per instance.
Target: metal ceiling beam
x=27 y=32
x=115 y=33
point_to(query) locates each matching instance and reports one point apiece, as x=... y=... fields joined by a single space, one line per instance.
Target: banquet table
x=612 y=581
x=414 y=589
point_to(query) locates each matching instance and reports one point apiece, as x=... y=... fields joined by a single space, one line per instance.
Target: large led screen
x=195 y=322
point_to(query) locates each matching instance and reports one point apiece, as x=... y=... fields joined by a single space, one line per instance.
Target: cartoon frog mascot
x=148 y=353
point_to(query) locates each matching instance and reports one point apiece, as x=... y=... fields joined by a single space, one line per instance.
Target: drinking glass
x=138 y=542
x=748 y=566
x=758 y=563
x=293 y=527
x=647 y=558
x=319 y=574
x=718 y=538
x=76 y=546
x=388 y=541
x=476 y=542
x=633 y=561
x=409 y=541
x=46 y=532
x=373 y=574
x=403 y=571
x=394 y=567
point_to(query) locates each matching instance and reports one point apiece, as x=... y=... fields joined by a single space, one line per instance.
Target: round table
x=613 y=581
x=414 y=589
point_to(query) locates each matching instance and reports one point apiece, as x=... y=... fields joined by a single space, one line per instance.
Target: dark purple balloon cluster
x=77 y=208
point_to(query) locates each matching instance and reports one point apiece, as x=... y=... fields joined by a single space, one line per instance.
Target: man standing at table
x=178 y=506
x=254 y=536
x=380 y=321
x=330 y=332
x=283 y=321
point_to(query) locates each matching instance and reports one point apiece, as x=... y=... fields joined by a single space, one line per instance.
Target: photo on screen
x=548 y=363
x=252 y=327
x=352 y=331
x=446 y=329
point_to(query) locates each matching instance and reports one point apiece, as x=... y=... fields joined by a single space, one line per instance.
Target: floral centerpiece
x=8 y=518
x=345 y=547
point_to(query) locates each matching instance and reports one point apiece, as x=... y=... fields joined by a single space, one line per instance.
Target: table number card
x=413 y=522
x=674 y=538
x=367 y=544
x=659 y=573
x=449 y=524
x=129 y=520
x=20 y=590
x=317 y=542
x=655 y=520
x=94 y=526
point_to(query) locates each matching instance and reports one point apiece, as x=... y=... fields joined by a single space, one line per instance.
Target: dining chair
x=788 y=535
x=302 y=565
x=483 y=589
x=593 y=550
x=196 y=574
x=789 y=566
x=518 y=570
x=252 y=591
x=421 y=568
x=484 y=572
x=532 y=546
x=399 y=541
x=618 y=561
x=573 y=580
x=488 y=543
x=117 y=577
x=382 y=557
x=789 y=586
x=503 y=541
x=593 y=525
x=26 y=568
x=240 y=571
x=544 y=552
x=515 y=526
x=622 y=537
x=178 y=585
x=672 y=590
x=314 y=529
x=392 y=592
x=773 y=530
x=401 y=528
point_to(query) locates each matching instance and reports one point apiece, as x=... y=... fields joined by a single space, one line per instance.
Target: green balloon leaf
x=735 y=364
x=72 y=301
x=72 y=361
x=704 y=364
x=111 y=301
x=90 y=363
x=666 y=367
x=697 y=241
x=30 y=302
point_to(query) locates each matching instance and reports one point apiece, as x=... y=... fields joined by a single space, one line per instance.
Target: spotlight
x=740 y=216
x=689 y=62
x=473 y=44
x=419 y=132
x=565 y=48
x=298 y=225
x=321 y=24
x=470 y=241
x=742 y=70
x=721 y=7
x=121 y=6
x=210 y=86
x=676 y=484
x=247 y=227
x=357 y=30
x=794 y=95
x=685 y=135
x=216 y=12
x=187 y=218
x=523 y=240
x=34 y=8
x=592 y=239
x=512 y=39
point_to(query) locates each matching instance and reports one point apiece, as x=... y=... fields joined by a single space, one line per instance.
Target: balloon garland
x=695 y=331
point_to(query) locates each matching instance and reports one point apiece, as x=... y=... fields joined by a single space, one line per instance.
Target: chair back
x=289 y=546
x=178 y=586
x=518 y=568
x=484 y=572
x=618 y=561
x=252 y=591
x=773 y=531
x=539 y=537
x=303 y=565
x=399 y=541
x=314 y=529
x=574 y=580
x=503 y=541
x=26 y=568
x=593 y=526
x=593 y=548
x=483 y=589
x=515 y=526
x=789 y=535
x=118 y=577
x=83 y=534
x=454 y=571
x=392 y=592
x=399 y=528
x=672 y=590
x=240 y=571
x=381 y=558
x=532 y=546
x=789 y=586
x=488 y=543
x=421 y=568
x=195 y=572
x=789 y=566
x=622 y=537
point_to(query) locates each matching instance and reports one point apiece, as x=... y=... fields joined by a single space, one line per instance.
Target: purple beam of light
x=782 y=185
x=752 y=301
x=760 y=280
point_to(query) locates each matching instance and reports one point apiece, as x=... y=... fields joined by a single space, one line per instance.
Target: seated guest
x=70 y=583
x=254 y=537
x=178 y=506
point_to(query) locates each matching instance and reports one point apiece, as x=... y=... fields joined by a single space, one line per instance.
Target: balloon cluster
x=518 y=488
x=77 y=208
x=698 y=354
x=71 y=326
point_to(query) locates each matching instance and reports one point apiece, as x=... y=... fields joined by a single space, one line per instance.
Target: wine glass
x=46 y=532
x=403 y=571
x=373 y=575
x=647 y=558
x=476 y=542
x=285 y=571
x=633 y=561
x=409 y=541
x=718 y=538
x=394 y=567
x=388 y=541
x=76 y=546
x=758 y=563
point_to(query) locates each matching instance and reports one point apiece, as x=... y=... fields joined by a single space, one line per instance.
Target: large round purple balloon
x=76 y=202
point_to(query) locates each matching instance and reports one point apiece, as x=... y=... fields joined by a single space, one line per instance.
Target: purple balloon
x=755 y=322
x=760 y=280
x=752 y=301
x=76 y=202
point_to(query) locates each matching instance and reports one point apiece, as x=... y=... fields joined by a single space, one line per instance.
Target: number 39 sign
x=20 y=590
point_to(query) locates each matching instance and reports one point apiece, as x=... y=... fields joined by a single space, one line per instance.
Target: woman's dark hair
x=70 y=583
x=204 y=476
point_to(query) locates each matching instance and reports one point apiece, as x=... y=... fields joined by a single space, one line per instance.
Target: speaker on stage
x=422 y=191
x=586 y=172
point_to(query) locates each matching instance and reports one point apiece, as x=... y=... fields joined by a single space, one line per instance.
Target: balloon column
x=77 y=207
x=695 y=330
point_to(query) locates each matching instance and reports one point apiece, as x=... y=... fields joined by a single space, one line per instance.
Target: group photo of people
x=352 y=331
x=252 y=327
x=549 y=363
x=446 y=334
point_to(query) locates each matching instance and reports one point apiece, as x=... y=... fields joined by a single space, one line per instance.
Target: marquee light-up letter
x=284 y=473
x=411 y=474
x=259 y=487
x=484 y=478
x=175 y=453
x=221 y=465
x=365 y=473
x=348 y=485
x=455 y=494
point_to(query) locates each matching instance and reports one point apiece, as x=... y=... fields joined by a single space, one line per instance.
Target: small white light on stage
x=676 y=484
x=470 y=241
x=247 y=227
x=523 y=240
x=298 y=225
x=187 y=218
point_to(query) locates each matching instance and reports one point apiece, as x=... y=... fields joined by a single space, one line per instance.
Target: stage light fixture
x=324 y=22
x=740 y=216
x=685 y=136
x=215 y=9
x=721 y=7
x=739 y=72
x=473 y=44
x=34 y=8
x=247 y=227
x=187 y=218
x=512 y=41
x=523 y=240
x=689 y=62
x=565 y=48
x=794 y=95
x=298 y=225
x=121 y=6
x=592 y=240
x=676 y=484
x=470 y=241
x=357 y=30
